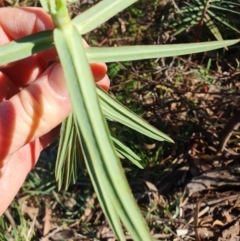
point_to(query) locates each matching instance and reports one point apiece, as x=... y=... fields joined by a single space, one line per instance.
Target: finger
x=99 y=72
x=104 y=83
x=34 y=20
x=19 y=165
x=34 y=111
x=15 y=172
x=16 y=23
x=7 y=88
x=24 y=72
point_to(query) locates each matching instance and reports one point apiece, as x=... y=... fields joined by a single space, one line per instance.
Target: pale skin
x=33 y=100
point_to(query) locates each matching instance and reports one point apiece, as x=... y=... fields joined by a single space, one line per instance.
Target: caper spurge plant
x=212 y=13
x=84 y=134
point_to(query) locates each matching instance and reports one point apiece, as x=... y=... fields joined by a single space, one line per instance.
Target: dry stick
x=200 y=24
x=232 y=125
x=8 y=215
x=218 y=202
x=197 y=213
x=58 y=229
x=196 y=216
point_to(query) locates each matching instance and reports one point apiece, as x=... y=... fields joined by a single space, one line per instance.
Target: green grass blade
x=114 y=110
x=99 y=14
x=130 y=53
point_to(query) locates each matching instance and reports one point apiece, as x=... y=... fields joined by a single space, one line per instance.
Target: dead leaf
x=205 y=234
x=220 y=177
x=70 y=203
x=232 y=231
x=47 y=221
x=218 y=222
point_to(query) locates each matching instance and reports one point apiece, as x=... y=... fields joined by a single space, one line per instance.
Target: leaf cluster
x=219 y=17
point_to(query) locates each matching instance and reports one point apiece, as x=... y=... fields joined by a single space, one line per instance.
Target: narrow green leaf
x=224 y=9
x=44 y=4
x=64 y=44
x=25 y=47
x=185 y=26
x=22 y=48
x=212 y=27
x=130 y=53
x=228 y=2
x=130 y=158
x=99 y=14
x=191 y=9
x=121 y=146
x=102 y=192
x=102 y=157
x=64 y=144
x=114 y=110
x=70 y=155
x=127 y=152
x=119 y=154
x=222 y=21
x=69 y=163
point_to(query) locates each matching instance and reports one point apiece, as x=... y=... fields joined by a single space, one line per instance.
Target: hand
x=34 y=100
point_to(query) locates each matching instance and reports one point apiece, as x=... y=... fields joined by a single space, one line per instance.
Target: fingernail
x=57 y=81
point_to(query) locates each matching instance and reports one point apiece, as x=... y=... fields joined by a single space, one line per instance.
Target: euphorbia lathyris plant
x=84 y=134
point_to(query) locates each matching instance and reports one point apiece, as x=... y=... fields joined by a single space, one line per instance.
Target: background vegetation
x=194 y=99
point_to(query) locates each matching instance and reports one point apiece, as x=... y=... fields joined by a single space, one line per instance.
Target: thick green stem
x=59 y=12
